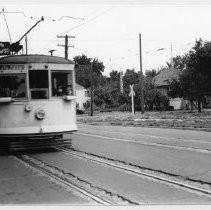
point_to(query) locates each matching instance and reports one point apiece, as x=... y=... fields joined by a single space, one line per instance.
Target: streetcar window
x=61 y=83
x=13 y=86
x=38 y=83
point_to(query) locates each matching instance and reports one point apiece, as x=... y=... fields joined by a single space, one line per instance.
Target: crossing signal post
x=132 y=94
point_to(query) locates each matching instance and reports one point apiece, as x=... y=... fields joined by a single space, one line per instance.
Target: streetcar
x=37 y=97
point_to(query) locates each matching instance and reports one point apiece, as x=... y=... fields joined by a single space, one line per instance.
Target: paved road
x=180 y=152
x=117 y=183
x=22 y=185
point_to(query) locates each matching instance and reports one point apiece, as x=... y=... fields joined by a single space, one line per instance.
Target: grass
x=166 y=119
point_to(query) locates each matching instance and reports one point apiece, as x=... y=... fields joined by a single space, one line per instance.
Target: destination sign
x=4 y=48
x=11 y=67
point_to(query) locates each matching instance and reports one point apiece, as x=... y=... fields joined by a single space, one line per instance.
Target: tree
x=179 y=62
x=150 y=74
x=83 y=71
x=130 y=77
x=198 y=74
x=114 y=76
x=194 y=81
x=108 y=95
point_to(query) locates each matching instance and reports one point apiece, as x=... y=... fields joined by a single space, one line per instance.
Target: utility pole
x=65 y=45
x=91 y=75
x=141 y=78
x=171 y=56
x=121 y=81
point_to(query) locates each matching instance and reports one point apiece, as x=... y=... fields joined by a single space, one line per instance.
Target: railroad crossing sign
x=132 y=94
x=131 y=91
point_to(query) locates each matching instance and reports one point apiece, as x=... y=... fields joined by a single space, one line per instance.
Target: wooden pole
x=141 y=78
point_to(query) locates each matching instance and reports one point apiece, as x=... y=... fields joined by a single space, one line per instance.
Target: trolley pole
x=26 y=42
x=66 y=46
x=141 y=78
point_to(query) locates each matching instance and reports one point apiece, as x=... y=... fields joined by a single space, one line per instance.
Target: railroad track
x=170 y=179
x=100 y=196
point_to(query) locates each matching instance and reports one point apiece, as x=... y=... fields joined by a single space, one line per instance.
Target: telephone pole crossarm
x=62 y=45
x=68 y=36
x=66 y=46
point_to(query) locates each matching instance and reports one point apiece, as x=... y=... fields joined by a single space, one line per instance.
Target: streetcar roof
x=23 y=59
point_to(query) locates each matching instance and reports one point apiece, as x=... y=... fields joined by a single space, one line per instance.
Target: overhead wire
x=7 y=25
x=79 y=25
x=88 y=21
x=53 y=40
x=84 y=23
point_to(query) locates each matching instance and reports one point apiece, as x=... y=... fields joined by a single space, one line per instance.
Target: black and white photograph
x=105 y=104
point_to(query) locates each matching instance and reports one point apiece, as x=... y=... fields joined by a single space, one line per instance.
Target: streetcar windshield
x=13 y=86
x=38 y=84
x=61 y=83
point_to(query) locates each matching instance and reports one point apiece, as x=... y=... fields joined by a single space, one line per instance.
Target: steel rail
x=66 y=183
x=139 y=172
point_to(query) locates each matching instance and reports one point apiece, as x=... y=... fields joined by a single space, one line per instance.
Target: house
x=82 y=95
x=162 y=82
x=163 y=79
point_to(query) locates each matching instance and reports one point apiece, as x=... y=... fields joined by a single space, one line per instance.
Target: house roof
x=166 y=76
x=79 y=87
x=22 y=59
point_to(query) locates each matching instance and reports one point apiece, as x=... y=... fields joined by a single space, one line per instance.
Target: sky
x=108 y=31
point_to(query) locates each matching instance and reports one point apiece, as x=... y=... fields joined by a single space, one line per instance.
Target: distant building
x=162 y=82
x=163 y=79
x=82 y=95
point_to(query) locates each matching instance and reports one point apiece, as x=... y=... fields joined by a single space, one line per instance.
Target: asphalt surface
x=186 y=154
x=22 y=185
x=109 y=141
x=137 y=189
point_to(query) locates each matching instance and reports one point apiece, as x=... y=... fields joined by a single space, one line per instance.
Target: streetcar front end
x=37 y=97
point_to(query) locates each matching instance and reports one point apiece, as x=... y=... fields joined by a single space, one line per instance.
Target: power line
x=17 y=12
x=7 y=25
x=51 y=19
x=88 y=21
x=75 y=18
x=110 y=40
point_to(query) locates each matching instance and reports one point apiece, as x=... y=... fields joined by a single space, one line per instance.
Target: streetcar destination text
x=11 y=67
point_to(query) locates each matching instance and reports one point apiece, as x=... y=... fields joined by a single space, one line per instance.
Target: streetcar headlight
x=67 y=98
x=28 y=107
x=40 y=114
